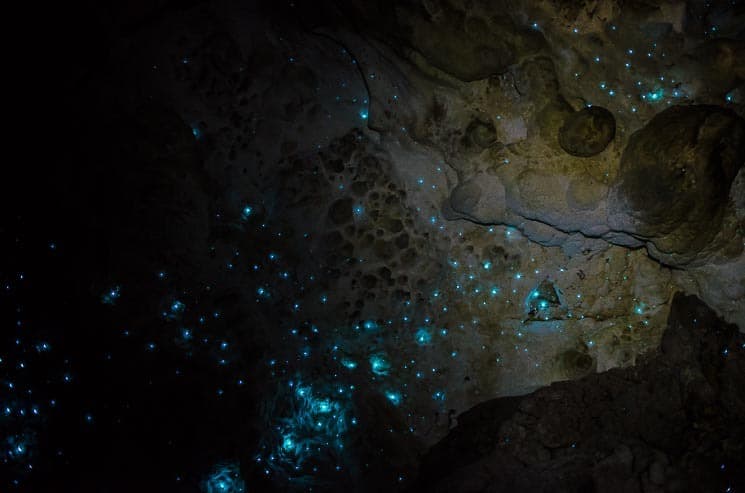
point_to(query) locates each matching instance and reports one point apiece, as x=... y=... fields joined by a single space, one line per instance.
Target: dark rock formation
x=464 y=45
x=480 y=134
x=587 y=132
x=340 y=211
x=671 y=423
x=576 y=363
x=675 y=176
x=715 y=66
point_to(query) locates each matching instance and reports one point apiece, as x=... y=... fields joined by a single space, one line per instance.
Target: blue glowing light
x=110 y=297
x=308 y=431
x=379 y=364
x=288 y=444
x=323 y=406
x=175 y=310
x=393 y=397
x=654 y=95
x=423 y=336
x=246 y=212
x=348 y=364
x=363 y=114
x=18 y=447
x=358 y=210
x=224 y=478
x=543 y=301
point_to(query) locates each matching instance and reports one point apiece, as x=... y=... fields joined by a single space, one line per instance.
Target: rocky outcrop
x=671 y=423
x=674 y=180
x=462 y=43
x=578 y=128
x=537 y=126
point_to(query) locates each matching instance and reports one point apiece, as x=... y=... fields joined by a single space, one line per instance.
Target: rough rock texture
x=466 y=43
x=576 y=134
x=671 y=423
x=587 y=132
x=404 y=166
x=674 y=179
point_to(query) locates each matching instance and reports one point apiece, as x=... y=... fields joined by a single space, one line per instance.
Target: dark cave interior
x=368 y=245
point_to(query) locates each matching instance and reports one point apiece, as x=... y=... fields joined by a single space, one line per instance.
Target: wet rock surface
x=671 y=423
